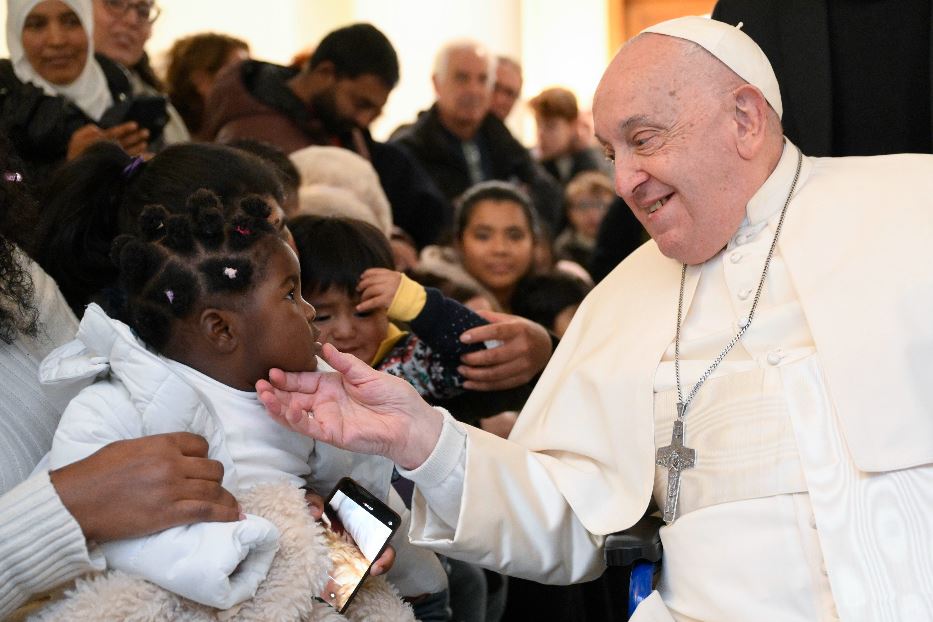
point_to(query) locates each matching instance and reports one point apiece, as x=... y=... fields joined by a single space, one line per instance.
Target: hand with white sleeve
x=355 y=408
x=215 y=564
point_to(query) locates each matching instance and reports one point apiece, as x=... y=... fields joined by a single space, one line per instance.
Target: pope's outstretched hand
x=355 y=407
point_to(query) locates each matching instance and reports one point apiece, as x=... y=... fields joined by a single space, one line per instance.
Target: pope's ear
x=219 y=328
x=751 y=120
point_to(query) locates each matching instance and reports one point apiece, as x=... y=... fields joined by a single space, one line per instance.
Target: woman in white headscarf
x=56 y=97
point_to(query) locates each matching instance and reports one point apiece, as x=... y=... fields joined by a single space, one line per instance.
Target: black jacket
x=253 y=100
x=40 y=126
x=436 y=149
x=581 y=161
x=855 y=76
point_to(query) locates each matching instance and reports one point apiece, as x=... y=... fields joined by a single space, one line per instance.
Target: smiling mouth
x=658 y=204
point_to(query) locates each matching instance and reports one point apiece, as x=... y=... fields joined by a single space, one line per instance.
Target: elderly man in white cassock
x=759 y=372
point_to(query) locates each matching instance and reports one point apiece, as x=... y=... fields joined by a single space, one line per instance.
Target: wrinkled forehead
x=653 y=76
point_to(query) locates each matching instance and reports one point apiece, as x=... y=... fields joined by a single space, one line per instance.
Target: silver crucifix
x=675 y=458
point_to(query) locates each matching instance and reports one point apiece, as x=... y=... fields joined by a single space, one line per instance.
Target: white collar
x=770 y=197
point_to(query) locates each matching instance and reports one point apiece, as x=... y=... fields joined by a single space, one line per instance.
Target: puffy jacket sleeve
x=216 y=564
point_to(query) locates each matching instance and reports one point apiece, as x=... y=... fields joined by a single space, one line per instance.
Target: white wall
x=558 y=42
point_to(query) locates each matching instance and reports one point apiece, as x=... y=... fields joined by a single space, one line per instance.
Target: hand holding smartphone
x=149 y=112
x=359 y=527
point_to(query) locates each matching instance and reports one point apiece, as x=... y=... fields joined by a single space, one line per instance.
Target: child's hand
x=315 y=504
x=384 y=563
x=377 y=289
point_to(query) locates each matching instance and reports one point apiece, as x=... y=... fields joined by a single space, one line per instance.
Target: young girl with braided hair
x=212 y=301
x=101 y=195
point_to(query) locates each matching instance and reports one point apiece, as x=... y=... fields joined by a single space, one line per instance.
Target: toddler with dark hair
x=551 y=299
x=212 y=302
x=364 y=306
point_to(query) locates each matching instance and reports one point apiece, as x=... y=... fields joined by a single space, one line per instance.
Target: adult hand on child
x=525 y=350
x=377 y=289
x=140 y=486
x=355 y=408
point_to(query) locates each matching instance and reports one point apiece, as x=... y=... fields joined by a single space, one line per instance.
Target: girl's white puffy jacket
x=136 y=394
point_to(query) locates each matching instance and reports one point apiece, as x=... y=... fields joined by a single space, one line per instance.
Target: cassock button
x=735 y=257
x=775 y=357
x=745 y=293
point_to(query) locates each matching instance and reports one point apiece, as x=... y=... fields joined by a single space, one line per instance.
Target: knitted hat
x=732 y=47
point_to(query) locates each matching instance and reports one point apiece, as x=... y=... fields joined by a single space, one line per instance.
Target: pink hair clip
x=170 y=295
x=230 y=272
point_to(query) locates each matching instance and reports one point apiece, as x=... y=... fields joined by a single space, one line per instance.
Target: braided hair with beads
x=180 y=263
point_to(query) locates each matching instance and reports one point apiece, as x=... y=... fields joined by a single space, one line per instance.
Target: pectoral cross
x=675 y=458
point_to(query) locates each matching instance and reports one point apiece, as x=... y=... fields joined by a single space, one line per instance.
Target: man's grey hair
x=509 y=62
x=459 y=45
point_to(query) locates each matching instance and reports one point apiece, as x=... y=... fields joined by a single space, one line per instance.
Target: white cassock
x=812 y=498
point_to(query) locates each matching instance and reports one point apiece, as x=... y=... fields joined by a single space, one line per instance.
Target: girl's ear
x=219 y=328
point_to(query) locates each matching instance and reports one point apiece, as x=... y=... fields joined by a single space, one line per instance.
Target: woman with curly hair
x=47 y=518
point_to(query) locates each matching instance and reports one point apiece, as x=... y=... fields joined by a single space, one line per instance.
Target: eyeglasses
x=146 y=10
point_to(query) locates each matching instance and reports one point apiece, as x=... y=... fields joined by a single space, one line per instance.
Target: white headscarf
x=89 y=91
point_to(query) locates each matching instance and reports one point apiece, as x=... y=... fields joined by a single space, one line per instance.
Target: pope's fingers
x=298 y=381
x=272 y=403
x=300 y=420
x=352 y=368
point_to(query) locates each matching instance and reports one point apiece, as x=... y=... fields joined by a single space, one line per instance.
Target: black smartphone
x=150 y=112
x=359 y=527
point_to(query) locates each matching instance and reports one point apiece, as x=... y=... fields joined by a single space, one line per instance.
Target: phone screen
x=359 y=528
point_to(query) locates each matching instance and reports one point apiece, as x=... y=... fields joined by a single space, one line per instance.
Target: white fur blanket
x=298 y=574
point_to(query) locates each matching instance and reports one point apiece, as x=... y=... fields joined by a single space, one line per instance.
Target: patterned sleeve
x=440 y=324
x=429 y=357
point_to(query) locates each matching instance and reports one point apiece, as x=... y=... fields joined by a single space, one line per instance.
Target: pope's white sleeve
x=417 y=569
x=439 y=481
x=216 y=564
x=491 y=502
